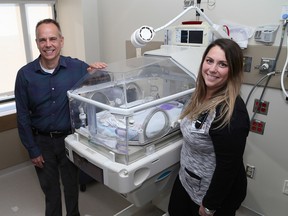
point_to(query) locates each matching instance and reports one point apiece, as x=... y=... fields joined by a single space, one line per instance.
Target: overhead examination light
x=140 y=37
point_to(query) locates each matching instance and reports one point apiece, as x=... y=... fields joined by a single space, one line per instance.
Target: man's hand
x=38 y=161
x=97 y=65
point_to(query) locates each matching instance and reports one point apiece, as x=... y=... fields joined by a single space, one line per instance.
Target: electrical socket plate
x=257 y=126
x=250 y=171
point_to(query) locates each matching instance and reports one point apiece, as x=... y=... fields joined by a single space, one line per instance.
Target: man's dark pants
x=57 y=165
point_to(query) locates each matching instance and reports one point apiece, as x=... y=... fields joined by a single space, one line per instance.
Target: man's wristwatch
x=208 y=211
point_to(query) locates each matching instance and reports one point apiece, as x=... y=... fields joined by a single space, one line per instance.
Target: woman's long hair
x=225 y=96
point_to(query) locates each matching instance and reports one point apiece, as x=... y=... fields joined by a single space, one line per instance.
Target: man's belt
x=52 y=134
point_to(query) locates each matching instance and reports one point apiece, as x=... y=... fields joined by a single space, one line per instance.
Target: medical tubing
x=283 y=73
x=284 y=68
x=261 y=97
x=181 y=14
x=256 y=85
x=279 y=49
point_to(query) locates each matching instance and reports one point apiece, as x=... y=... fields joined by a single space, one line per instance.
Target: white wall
x=119 y=19
x=70 y=17
x=268 y=153
x=116 y=22
x=79 y=23
x=102 y=26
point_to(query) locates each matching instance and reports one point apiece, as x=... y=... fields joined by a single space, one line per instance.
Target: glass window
x=18 y=49
x=35 y=13
x=12 y=45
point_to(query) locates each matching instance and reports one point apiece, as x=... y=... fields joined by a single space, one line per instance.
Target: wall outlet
x=257 y=126
x=261 y=107
x=250 y=171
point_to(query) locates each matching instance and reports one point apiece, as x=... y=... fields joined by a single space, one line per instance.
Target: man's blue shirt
x=41 y=98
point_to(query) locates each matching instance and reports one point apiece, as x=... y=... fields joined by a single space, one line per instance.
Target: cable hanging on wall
x=269 y=75
x=285 y=66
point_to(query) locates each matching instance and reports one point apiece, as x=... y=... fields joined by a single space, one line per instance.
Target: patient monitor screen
x=195 y=37
x=188 y=35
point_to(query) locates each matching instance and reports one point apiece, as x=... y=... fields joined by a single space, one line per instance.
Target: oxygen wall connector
x=266 y=65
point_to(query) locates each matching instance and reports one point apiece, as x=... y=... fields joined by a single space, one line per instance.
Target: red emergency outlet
x=257 y=126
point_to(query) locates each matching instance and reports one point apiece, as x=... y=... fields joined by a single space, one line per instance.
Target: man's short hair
x=48 y=21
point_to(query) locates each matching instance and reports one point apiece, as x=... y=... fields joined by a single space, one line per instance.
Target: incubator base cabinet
x=125 y=121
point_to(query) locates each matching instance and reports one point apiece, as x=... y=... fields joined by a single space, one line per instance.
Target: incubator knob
x=131 y=122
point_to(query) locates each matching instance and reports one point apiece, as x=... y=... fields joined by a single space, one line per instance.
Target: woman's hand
x=202 y=211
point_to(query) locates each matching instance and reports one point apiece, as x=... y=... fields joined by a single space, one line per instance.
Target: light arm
x=145 y=34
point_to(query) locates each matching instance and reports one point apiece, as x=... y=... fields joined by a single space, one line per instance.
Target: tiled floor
x=20 y=195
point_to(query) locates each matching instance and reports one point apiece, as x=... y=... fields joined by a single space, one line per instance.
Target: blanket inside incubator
x=141 y=128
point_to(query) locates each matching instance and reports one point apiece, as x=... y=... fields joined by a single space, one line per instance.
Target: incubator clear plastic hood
x=130 y=108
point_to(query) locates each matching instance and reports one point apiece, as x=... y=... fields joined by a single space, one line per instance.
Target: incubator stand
x=125 y=121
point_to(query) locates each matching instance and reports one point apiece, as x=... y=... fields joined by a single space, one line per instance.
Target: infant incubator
x=125 y=121
x=130 y=105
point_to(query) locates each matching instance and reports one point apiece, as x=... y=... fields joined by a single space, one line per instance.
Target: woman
x=215 y=125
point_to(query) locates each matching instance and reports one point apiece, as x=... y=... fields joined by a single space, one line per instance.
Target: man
x=43 y=115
